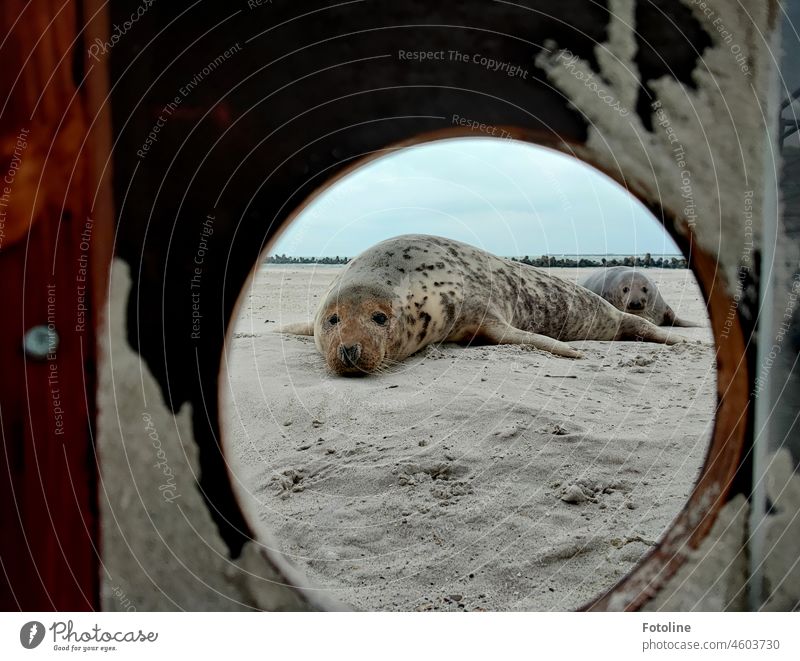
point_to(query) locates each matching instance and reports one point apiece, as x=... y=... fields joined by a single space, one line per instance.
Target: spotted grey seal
x=630 y=290
x=410 y=291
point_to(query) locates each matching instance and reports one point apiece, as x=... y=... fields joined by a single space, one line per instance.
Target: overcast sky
x=508 y=197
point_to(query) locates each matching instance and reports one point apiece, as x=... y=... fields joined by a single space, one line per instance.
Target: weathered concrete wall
x=687 y=134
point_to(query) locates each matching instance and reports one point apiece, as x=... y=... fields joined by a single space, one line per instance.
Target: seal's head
x=633 y=293
x=353 y=330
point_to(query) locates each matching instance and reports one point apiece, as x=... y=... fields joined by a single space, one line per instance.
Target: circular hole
x=483 y=477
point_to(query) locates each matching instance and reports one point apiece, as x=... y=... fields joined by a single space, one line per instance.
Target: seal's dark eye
x=380 y=318
x=644 y=289
x=333 y=319
x=626 y=289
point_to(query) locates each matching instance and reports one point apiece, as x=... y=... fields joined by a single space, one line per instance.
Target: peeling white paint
x=708 y=151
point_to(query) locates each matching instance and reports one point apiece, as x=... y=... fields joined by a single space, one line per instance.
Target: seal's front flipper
x=504 y=334
x=297 y=329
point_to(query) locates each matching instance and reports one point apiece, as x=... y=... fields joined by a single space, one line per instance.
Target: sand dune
x=493 y=477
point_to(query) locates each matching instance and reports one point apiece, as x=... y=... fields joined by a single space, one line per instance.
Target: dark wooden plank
x=48 y=471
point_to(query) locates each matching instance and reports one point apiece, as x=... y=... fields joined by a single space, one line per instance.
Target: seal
x=631 y=291
x=410 y=291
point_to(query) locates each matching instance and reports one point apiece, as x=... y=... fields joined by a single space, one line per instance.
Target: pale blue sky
x=507 y=197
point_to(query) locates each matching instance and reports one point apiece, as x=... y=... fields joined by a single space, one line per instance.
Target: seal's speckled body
x=630 y=290
x=414 y=290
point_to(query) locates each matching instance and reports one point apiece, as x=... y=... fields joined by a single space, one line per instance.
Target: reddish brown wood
x=48 y=472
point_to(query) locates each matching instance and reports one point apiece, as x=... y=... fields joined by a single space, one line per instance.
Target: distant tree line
x=643 y=262
x=544 y=261
x=284 y=259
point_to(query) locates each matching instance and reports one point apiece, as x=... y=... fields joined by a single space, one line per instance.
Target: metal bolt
x=40 y=341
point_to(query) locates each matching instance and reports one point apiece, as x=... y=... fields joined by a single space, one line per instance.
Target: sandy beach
x=485 y=478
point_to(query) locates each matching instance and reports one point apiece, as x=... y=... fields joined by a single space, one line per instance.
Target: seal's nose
x=349 y=355
x=637 y=305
